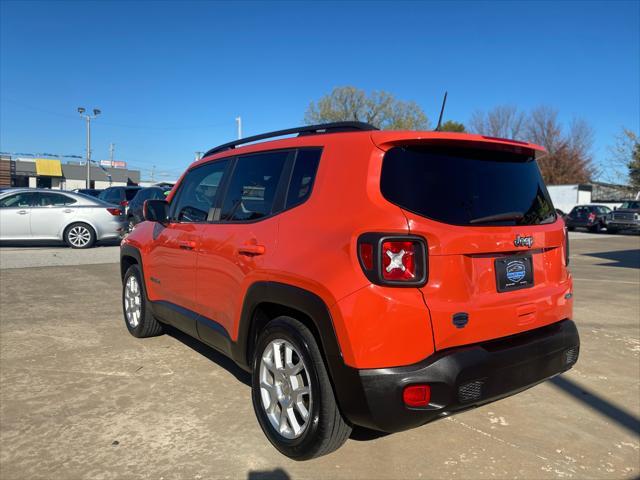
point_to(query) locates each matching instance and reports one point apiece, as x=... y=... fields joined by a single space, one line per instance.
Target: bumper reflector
x=571 y=355
x=416 y=395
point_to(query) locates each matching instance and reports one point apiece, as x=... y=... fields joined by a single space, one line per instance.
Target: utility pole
x=88 y=118
x=112 y=147
x=239 y=122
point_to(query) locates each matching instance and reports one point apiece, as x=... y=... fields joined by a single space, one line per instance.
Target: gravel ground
x=81 y=398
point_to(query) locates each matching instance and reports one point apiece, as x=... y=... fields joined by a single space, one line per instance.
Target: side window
x=304 y=173
x=197 y=193
x=53 y=200
x=253 y=186
x=19 y=200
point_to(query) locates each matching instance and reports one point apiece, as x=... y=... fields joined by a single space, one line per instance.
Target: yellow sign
x=48 y=168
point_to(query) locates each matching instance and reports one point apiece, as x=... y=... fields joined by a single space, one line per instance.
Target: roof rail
x=301 y=131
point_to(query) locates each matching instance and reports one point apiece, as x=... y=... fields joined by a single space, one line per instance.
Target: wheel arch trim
x=344 y=379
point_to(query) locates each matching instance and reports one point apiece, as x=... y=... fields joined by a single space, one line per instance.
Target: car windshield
x=632 y=205
x=467 y=187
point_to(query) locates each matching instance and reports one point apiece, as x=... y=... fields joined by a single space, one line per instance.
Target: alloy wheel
x=79 y=236
x=132 y=301
x=285 y=389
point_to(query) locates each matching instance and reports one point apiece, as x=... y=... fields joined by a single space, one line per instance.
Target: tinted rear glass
x=466 y=187
x=111 y=195
x=131 y=192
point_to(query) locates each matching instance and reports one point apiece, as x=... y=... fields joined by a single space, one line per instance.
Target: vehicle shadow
x=275 y=474
x=359 y=434
x=211 y=354
x=618 y=258
x=615 y=413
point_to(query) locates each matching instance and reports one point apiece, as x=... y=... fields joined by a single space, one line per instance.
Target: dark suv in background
x=119 y=195
x=134 y=212
x=591 y=217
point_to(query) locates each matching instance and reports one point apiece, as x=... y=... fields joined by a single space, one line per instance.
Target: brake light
x=399 y=260
x=114 y=211
x=416 y=395
x=124 y=203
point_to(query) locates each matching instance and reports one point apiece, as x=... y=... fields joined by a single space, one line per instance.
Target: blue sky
x=170 y=77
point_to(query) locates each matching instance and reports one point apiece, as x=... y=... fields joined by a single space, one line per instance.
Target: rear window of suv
x=466 y=187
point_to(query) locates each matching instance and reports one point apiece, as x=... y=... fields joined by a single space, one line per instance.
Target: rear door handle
x=252 y=250
x=22 y=212
x=187 y=245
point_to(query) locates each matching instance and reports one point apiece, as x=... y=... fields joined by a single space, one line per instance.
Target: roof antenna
x=444 y=102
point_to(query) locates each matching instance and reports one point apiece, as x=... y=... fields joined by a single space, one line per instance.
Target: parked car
x=591 y=217
x=39 y=214
x=374 y=278
x=119 y=196
x=625 y=217
x=92 y=192
x=134 y=212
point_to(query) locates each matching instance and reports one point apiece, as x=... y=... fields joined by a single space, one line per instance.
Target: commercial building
x=52 y=173
x=565 y=197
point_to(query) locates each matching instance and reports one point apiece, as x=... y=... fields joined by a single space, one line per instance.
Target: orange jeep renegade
x=367 y=278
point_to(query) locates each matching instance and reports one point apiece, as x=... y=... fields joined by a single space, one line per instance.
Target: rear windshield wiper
x=500 y=217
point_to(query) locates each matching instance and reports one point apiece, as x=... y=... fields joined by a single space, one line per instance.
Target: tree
x=624 y=159
x=634 y=167
x=452 y=126
x=378 y=108
x=503 y=121
x=568 y=159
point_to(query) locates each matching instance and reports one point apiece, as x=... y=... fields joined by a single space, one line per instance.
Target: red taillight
x=366 y=255
x=124 y=203
x=416 y=395
x=114 y=211
x=398 y=260
x=393 y=260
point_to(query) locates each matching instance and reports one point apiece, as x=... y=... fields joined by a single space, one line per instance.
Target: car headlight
x=636 y=216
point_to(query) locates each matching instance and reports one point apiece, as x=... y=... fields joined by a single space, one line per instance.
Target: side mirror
x=156 y=211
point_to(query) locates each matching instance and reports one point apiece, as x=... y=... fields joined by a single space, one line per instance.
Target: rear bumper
x=465 y=377
x=112 y=229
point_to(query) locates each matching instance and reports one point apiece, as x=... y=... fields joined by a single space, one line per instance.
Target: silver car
x=41 y=214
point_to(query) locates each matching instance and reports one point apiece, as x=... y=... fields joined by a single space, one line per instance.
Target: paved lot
x=81 y=398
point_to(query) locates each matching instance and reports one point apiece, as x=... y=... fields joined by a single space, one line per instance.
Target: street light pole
x=239 y=122
x=88 y=118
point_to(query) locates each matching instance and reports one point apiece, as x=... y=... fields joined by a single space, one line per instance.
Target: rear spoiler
x=389 y=139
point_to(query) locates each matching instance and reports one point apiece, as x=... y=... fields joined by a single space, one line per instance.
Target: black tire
x=147 y=325
x=326 y=429
x=79 y=235
x=571 y=229
x=612 y=230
